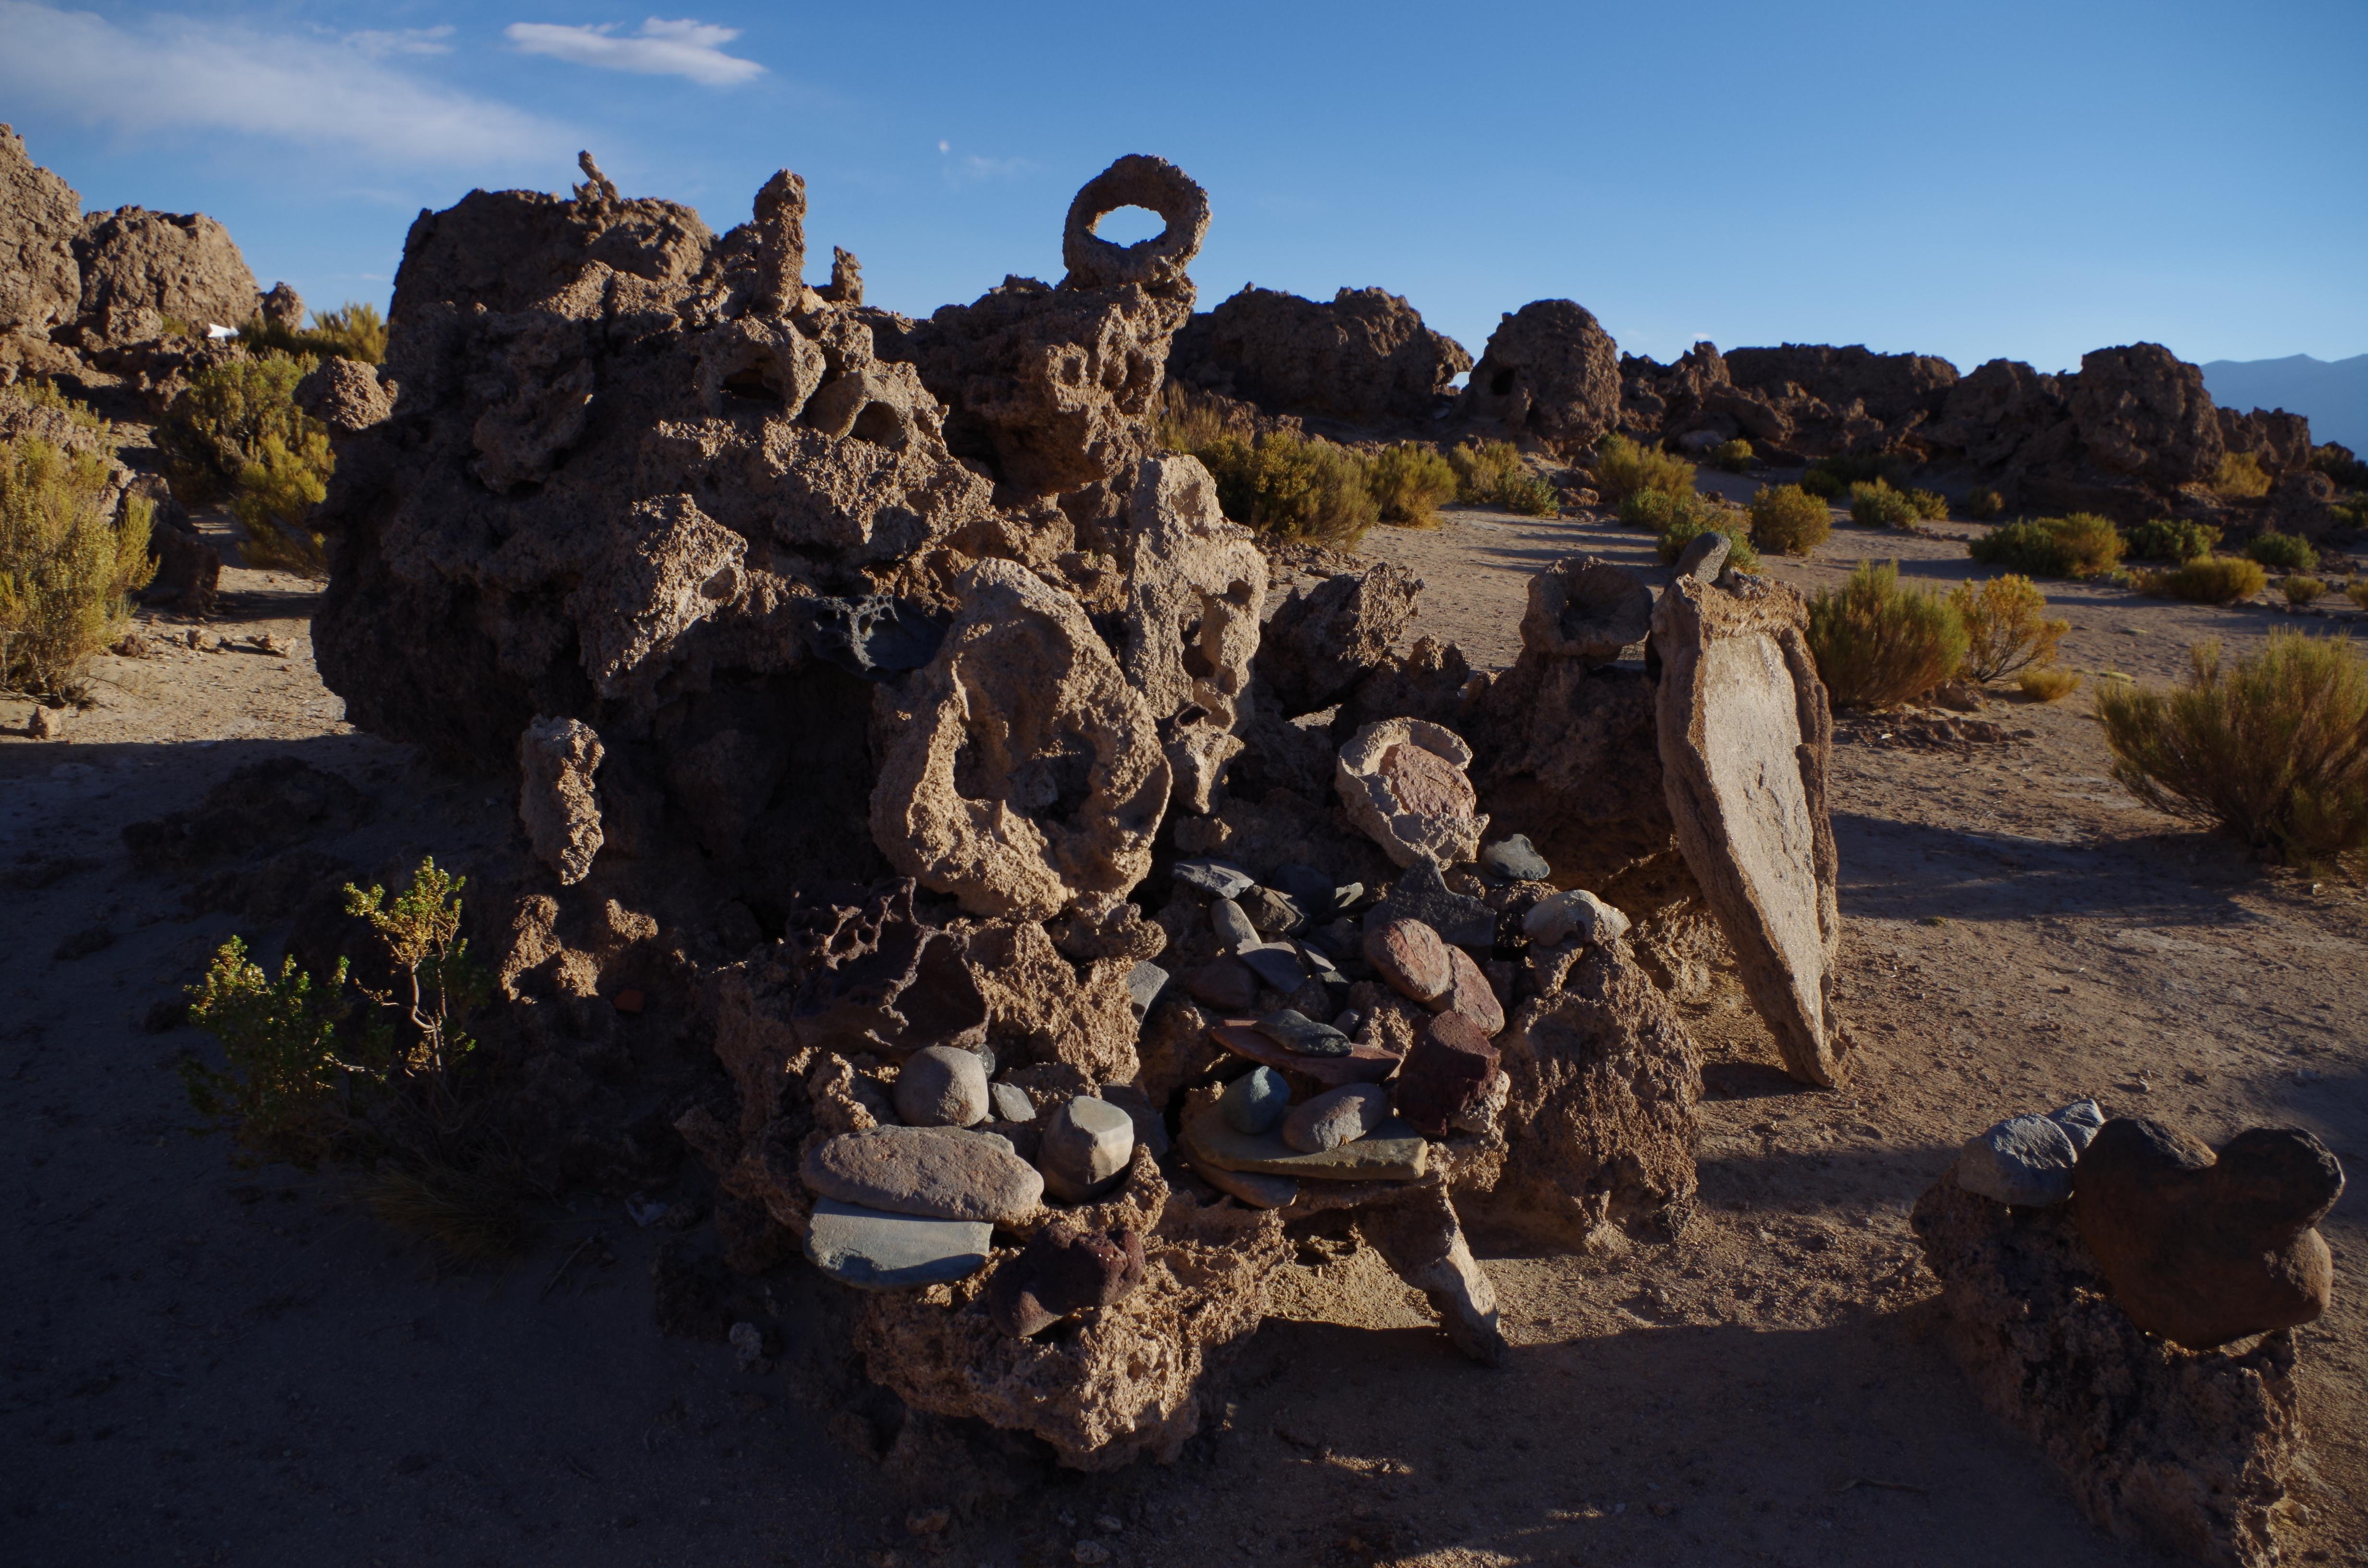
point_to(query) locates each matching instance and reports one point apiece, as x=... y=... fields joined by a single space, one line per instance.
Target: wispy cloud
x=402 y=41
x=971 y=166
x=177 y=73
x=685 y=48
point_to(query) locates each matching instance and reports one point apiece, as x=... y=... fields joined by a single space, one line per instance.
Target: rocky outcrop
x=557 y=800
x=2141 y=412
x=1323 y=640
x=1746 y=745
x=1551 y=375
x=138 y=267
x=1889 y=388
x=1996 y=411
x=2189 y=1450
x=1364 y=359
x=40 y=218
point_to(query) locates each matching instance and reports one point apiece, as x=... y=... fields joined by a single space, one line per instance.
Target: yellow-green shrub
x=2206 y=580
x=2282 y=551
x=1983 y=504
x=2240 y=478
x=2007 y=627
x=1878 y=643
x=1410 y=480
x=2301 y=590
x=46 y=394
x=65 y=567
x=1823 y=483
x=1684 y=529
x=2082 y=545
x=2047 y=682
x=352 y=331
x=1734 y=456
x=220 y=423
x=2276 y=751
x=1789 y=520
x=2356 y=591
x=1876 y=504
x=1624 y=468
x=1298 y=486
x=2172 y=539
x=1930 y=505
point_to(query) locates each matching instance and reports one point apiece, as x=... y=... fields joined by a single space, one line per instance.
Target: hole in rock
x=756 y=383
x=1130 y=225
x=1501 y=383
x=880 y=425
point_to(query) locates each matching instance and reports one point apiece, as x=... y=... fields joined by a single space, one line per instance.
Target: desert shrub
x=1531 y=496
x=2282 y=551
x=326 y=1068
x=2356 y=591
x=1189 y=421
x=1874 y=503
x=2206 y=580
x=274 y=493
x=2302 y=590
x=1657 y=511
x=2007 y=627
x=48 y=394
x=2172 y=539
x=1410 y=480
x=1491 y=473
x=352 y=331
x=219 y=424
x=2240 y=478
x=1878 y=643
x=2047 y=682
x=2276 y=750
x=1823 y=483
x=1726 y=520
x=1983 y=504
x=1789 y=520
x=1734 y=457
x=1892 y=468
x=1930 y=505
x=1624 y=468
x=1297 y=486
x=2082 y=545
x=65 y=567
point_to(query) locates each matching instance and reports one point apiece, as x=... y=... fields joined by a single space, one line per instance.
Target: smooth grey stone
x=1258 y=1191
x=875 y=1250
x=1086 y=1145
x=1275 y=915
x=1214 y=876
x=2025 y=1161
x=1149 y=1126
x=2080 y=1121
x=1705 y=556
x=1306 y=886
x=1339 y=942
x=1145 y=982
x=1255 y=1101
x=1348 y=1021
x=939 y=1173
x=1553 y=921
x=1421 y=894
x=1296 y=1032
x=1011 y=1103
x=1336 y=1117
x=942 y=1086
x=1233 y=928
x=1275 y=963
x=1515 y=860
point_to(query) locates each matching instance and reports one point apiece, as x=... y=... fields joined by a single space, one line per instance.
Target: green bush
x=2301 y=590
x=1726 y=520
x=2047 y=682
x=1410 y=481
x=274 y=493
x=2340 y=464
x=1293 y=485
x=2006 y=625
x=1482 y=470
x=2207 y=579
x=2240 y=478
x=2082 y=545
x=46 y=394
x=1892 y=468
x=1930 y=505
x=2172 y=539
x=2356 y=590
x=1624 y=468
x=66 y=568
x=349 y=332
x=1876 y=504
x=1789 y=520
x=1983 y=504
x=1878 y=643
x=220 y=421
x=1734 y=457
x=1657 y=511
x=2283 y=553
x=2276 y=751
x=1823 y=483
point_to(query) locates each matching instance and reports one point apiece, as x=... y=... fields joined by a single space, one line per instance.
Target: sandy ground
x=208 y=1364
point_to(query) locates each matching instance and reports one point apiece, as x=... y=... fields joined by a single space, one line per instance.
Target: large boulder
x=1888 y=385
x=1551 y=374
x=2141 y=412
x=41 y=217
x=1322 y=641
x=139 y=267
x=1746 y=747
x=1365 y=357
x=1993 y=412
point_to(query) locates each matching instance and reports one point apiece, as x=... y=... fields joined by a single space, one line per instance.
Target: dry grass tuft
x=2276 y=751
x=473 y=1214
x=2047 y=682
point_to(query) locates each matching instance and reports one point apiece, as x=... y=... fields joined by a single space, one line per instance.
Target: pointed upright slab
x=1746 y=742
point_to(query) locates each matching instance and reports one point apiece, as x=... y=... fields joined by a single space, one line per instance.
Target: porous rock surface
x=1365 y=357
x=168 y=263
x=40 y=218
x=1747 y=744
x=1402 y=781
x=2190 y=1450
x=1550 y=374
x=557 y=802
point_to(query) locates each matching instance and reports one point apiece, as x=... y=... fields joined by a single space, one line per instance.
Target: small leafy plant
x=1684 y=529
x=1733 y=457
x=1930 y=505
x=2207 y=580
x=2300 y=590
x=66 y=568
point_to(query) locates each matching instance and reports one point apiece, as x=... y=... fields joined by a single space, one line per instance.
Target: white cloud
x=684 y=48
x=402 y=41
x=181 y=73
x=971 y=166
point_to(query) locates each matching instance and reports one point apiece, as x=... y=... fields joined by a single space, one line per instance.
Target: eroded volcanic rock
x=1365 y=357
x=1550 y=374
x=40 y=218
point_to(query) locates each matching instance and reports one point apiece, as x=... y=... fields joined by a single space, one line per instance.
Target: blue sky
x=1975 y=180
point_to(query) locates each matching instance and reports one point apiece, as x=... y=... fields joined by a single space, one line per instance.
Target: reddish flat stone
x=1363 y=1064
x=1411 y=958
x=1426 y=783
x=1470 y=997
x=1447 y=1074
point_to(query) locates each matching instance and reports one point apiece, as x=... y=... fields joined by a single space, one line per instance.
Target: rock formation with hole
x=1550 y=374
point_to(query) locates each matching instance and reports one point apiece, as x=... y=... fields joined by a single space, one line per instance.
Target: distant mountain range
x=2335 y=396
